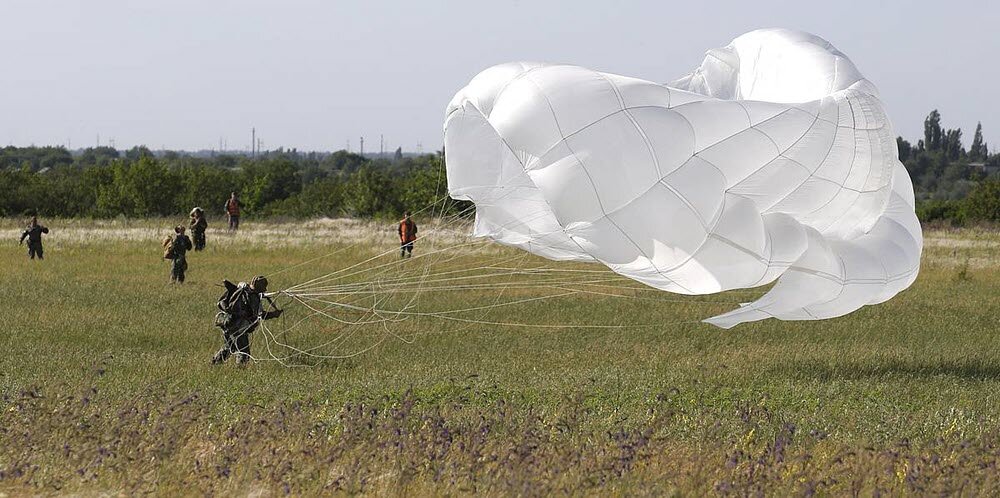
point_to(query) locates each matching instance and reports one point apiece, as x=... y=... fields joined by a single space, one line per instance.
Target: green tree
x=953 y=144
x=932 y=131
x=983 y=203
x=978 y=150
x=905 y=150
x=99 y=156
x=369 y=193
x=138 y=152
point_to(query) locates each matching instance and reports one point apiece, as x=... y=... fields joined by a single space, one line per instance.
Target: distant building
x=986 y=169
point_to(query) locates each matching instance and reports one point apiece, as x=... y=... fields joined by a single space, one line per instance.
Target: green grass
x=107 y=385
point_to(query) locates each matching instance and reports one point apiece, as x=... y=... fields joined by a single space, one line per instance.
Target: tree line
x=104 y=183
x=952 y=184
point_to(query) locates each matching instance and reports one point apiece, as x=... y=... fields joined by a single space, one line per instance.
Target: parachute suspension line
x=377 y=256
x=372 y=301
x=355 y=244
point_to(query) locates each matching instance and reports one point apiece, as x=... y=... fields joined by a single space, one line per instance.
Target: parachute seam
x=524 y=171
x=652 y=154
x=756 y=65
x=552 y=110
x=854 y=159
x=601 y=119
x=842 y=187
x=754 y=127
x=592 y=184
x=770 y=257
x=908 y=234
x=570 y=149
x=749 y=126
x=704 y=241
x=635 y=123
x=695 y=153
x=641 y=251
x=524 y=72
x=649 y=148
x=781 y=152
x=849 y=188
x=803 y=182
x=843 y=286
x=739 y=247
x=674 y=108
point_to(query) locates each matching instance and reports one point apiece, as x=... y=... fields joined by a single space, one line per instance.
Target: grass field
x=107 y=388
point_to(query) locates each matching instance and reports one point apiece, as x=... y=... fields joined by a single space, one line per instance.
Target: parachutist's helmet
x=259 y=284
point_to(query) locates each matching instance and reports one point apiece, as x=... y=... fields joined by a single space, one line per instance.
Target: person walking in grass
x=241 y=309
x=407 y=235
x=233 y=212
x=176 y=250
x=198 y=226
x=34 y=235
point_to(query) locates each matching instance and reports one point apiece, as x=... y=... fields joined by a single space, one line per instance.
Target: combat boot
x=220 y=357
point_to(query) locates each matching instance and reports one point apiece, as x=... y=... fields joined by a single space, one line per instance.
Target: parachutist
x=176 y=249
x=232 y=210
x=407 y=236
x=198 y=226
x=34 y=235
x=240 y=311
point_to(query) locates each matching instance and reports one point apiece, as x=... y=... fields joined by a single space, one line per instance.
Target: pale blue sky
x=314 y=74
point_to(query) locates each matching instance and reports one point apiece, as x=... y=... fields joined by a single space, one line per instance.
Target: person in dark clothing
x=34 y=235
x=177 y=251
x=232 y=209
x=407 y=235
x=198 y=226
x=241 y=310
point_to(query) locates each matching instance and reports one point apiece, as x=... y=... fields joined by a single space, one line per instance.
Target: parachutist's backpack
x=233 y=303
x=168 y=248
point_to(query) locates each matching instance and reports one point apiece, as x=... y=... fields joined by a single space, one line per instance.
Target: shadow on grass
x=888 y=368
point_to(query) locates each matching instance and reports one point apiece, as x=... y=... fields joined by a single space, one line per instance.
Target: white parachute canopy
x=773 y=160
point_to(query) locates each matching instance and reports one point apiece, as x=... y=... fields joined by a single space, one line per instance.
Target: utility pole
x=381 y=145
x=362 y=146
x=253 y=143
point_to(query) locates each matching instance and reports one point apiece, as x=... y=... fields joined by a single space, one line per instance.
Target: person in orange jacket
x=407 y=234
x=232 y=210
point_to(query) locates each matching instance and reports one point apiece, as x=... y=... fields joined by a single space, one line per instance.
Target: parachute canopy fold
x=773 y=160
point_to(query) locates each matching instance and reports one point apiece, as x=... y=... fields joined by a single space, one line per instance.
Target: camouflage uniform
x=181 y=245
x=198 y=226
x=34 y=235
x=242 y=312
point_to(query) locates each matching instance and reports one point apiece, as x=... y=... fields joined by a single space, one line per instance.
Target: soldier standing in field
x=233 y=212
x=177 y=249
x=407 y=235
x=198 y=226
x=241 y=310
x=34 y=235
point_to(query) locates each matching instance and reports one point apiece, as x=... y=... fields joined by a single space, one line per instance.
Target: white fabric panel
x=774 y=160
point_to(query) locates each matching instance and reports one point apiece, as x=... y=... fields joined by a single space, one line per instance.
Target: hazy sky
x=315 y=74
